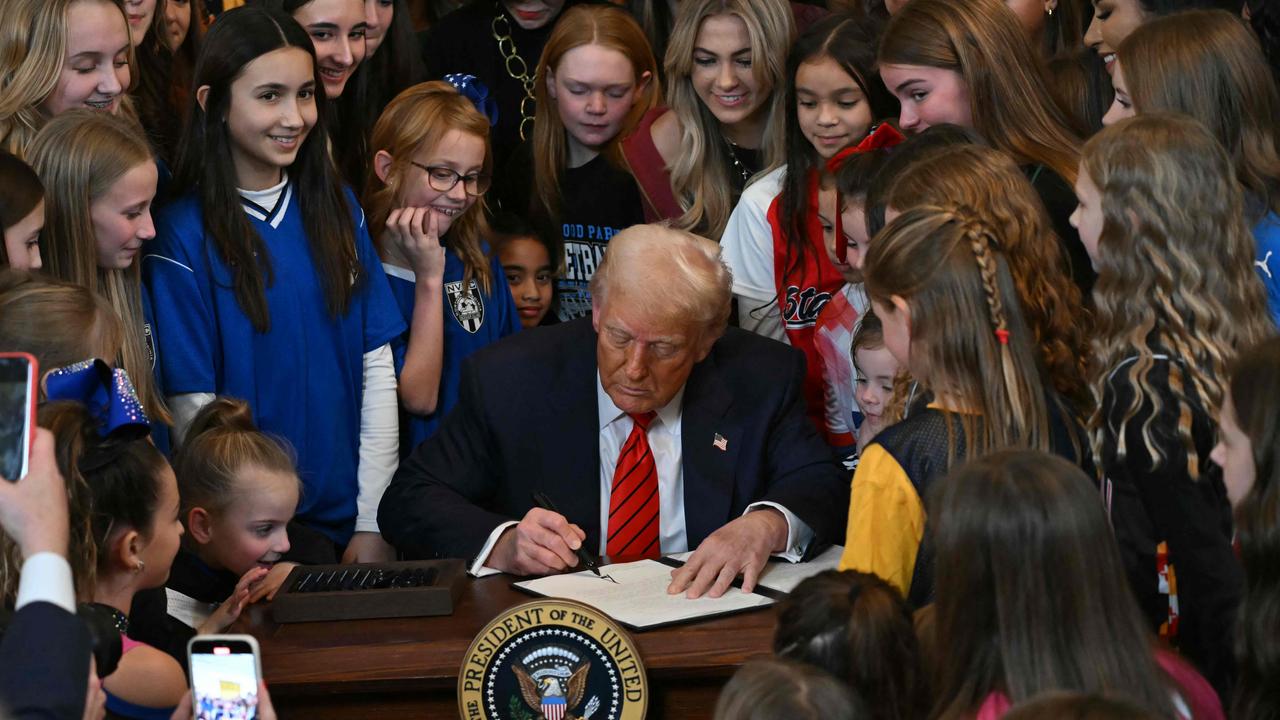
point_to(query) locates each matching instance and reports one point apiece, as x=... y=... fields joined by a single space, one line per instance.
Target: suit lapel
x=572 y=435
x=710 y=442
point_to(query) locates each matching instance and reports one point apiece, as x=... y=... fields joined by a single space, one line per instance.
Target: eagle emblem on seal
x=553 y=681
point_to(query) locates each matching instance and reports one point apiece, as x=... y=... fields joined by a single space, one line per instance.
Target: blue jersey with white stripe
x=304 y=376
x=1267 y=236
x=472 y=319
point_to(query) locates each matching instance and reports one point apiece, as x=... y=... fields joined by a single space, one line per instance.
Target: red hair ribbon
x=881 y=137
x=1003 y=336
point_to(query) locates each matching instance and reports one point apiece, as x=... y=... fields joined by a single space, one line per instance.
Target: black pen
x=588 y=558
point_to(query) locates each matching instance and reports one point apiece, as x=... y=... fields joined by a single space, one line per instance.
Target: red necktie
x=633 y=502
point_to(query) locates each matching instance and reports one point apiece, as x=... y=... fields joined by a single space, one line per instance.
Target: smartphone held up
x=18 y=377
x=225 y=670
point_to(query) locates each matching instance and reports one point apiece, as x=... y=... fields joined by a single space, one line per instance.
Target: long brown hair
x=1208 y=64
x=79 y=155
x=989 y=182
x=1009 y=97
x=1175 y=269
x=1031 y=593
x=204 y=168
x=850 y=42
x=699 y=175
x=1255 y=382
x=58 y=322
x=607 y=27
x=968 y=336
x=416 y=120
x=1064 y=29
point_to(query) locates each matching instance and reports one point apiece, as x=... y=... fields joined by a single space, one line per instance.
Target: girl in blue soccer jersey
x=431 y=166
x=265 y=283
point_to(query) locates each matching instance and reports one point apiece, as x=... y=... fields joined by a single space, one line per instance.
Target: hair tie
x=881 y=137
x=470 y=87
x=1002 y=335
x=107 y=394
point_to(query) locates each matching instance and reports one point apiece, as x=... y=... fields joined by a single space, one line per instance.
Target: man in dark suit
x=44 y=657
x=651 y=427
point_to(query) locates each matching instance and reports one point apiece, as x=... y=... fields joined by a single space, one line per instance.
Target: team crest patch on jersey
x=552 y=660
x=467 y=306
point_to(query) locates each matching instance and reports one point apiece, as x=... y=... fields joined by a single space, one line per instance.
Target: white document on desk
x=784 y=576
x=639 y=598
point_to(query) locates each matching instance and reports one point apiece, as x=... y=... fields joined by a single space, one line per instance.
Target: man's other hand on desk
x=741 y=547
x=542 y=543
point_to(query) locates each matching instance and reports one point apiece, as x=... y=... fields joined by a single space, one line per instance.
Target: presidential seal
x=552 y=660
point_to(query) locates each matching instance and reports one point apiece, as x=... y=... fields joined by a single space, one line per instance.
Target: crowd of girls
x=1029 y=250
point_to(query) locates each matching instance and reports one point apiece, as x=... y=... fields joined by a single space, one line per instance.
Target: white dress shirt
x=46 y=577
x=666 y=445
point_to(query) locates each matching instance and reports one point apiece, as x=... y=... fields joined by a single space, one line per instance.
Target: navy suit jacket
x=526 y=421
x=44 y=664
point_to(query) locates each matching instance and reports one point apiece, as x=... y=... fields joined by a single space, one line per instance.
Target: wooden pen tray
x=369 y=590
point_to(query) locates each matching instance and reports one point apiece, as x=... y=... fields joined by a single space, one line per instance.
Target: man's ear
x=202 y=97
x=200 y=525
x=706 y=340
x=382 y=162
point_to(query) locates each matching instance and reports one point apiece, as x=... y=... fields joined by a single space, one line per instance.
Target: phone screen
x=15 y=416
x=224 y=681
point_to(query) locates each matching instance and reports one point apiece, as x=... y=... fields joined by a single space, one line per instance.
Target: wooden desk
x=408 y=668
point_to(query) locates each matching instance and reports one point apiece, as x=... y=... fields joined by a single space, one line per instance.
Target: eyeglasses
x=442 y=179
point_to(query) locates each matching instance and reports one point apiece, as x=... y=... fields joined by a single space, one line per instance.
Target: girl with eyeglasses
x=432 y=164
x=266 y=283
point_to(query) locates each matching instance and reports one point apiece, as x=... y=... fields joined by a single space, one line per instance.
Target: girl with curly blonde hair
x=1161 y=215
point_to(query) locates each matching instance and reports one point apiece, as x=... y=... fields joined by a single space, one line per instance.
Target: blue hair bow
x=108 y=394
x=470 y=87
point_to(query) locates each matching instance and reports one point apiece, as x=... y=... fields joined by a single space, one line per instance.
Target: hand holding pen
x=585 y=556
x=544 y=542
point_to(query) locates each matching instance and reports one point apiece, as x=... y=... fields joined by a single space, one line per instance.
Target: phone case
x=202 y=639
x=33 y=390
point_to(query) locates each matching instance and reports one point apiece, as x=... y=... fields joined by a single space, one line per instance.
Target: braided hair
x=946 y=264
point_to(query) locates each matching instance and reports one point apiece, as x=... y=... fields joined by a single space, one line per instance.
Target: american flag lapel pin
x=720 y=443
